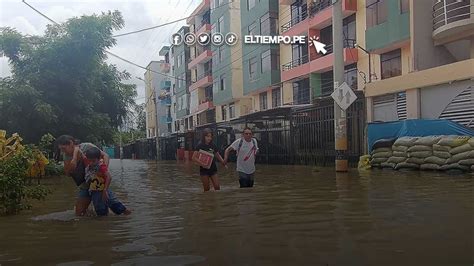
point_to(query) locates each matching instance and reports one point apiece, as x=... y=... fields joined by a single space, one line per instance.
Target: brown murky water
x=295 y=215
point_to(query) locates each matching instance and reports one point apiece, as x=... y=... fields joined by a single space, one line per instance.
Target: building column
x=413 y=104
x=370 y=109
x=472 y=43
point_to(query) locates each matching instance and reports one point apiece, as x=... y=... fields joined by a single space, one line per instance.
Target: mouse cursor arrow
x=319 y=47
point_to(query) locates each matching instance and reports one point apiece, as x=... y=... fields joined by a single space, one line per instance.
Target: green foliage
x=61 y=83
x=15 y=194
x=54 y=169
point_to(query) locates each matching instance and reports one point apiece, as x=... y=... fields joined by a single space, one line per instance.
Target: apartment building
x=261 y=62
x=157 y=101
x=202 y=110
x=305 y=74
x=167 y=53
x=421 y=59
x=181 y=59
x=228 y=97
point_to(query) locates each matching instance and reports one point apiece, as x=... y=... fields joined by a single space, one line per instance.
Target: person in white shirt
x=246 y=148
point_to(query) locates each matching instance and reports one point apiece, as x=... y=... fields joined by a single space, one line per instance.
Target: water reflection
x=295 y=215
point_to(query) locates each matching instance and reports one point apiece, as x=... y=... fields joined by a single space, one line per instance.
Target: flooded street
x=295 y=215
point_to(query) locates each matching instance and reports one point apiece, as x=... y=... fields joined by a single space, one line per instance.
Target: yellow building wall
x=236 y=51
x=287 y=91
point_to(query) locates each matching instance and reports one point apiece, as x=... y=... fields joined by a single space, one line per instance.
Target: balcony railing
x=302 y=16
x=316 y=7
x=449 y=11
x=295 y=63
x=203 y=75
x=348 y=43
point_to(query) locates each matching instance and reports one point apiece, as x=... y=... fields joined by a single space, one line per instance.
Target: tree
x=61 y=83
x=141 y=117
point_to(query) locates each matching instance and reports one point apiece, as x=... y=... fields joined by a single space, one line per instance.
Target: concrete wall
x=424 y=52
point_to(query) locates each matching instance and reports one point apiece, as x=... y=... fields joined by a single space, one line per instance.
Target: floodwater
x=295 y=215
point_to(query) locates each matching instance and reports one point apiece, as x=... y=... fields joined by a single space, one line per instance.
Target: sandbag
x=383 y=143
x=386 y=154
x=437 y=147
x=467 y=162
x=472 y=168
x=427 y=141
x=406 y=165
x=461 y=149
x=375 y=161
x=420 y=148
x=406 y=141
x=396 y=160
x=400 y=148
x=416 y=160
x=461 y=156
x=429 y=166
x=471 y=142
x=388 y=165
x=378 y=150
x=435 y=160
x=399 y=154
x=442 y=154
x=420 y=154
x=454 y=166
x=453 y=141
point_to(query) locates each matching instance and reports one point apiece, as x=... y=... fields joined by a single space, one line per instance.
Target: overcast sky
x=140 y=48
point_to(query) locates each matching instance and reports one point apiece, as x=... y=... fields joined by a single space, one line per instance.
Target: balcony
x=452 y=21
x=202 y=58
x=166 y=101
x=296 y=25
x=205 y=105
x=205 y=5
x=165 y=67
x=320 y=13
x=323 y=63
x=204 y=28
x=203 y=81
x=166 y=120
x=296 y=68
x=165 y=85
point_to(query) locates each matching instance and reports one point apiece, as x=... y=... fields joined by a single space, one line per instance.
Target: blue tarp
x=414 y=128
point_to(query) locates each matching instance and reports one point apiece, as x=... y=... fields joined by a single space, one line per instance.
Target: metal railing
x=204 y=74
x=295 y=63
x=302 y=16
x=316 y=7
x=449 y=11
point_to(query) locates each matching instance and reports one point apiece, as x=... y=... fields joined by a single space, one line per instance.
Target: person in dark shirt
x=208 y=174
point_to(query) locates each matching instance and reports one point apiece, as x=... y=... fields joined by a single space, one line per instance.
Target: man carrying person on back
x=246 y=148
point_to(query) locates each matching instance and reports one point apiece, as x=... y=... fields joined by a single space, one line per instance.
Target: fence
x=140 y=149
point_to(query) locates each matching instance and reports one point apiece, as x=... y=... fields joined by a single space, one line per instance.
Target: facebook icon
x=176 y=39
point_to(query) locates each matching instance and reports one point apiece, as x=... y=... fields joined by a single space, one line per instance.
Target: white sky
x=140 y=48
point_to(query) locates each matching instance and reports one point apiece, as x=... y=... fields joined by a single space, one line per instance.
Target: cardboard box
x=205 y=158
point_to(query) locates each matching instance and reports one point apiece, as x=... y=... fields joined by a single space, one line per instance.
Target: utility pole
x=340 y=121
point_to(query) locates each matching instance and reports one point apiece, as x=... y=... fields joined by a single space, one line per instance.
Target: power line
x=165 y=24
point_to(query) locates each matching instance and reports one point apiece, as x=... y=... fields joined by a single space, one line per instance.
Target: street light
x=370 y=60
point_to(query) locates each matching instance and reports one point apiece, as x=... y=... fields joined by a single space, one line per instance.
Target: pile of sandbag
x=425 y=153
x=461 y=153
x=381 y=153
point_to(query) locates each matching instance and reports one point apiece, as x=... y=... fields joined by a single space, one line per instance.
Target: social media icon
x=189 y=38
x=231 y=38
x=217 y=39
x=176 y=39
x=204 y=39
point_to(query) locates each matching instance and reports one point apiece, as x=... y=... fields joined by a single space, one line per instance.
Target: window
x=404 y=6
x=231 y=110
x=269 y=24
x=253 y=29
x=224 y=112
x=250 y=4
x=220 y=24
x=391 y=64
x=221 y=53
x=349 y=31
x=252 y=67
x=266 y=61
x=222 y=81
x=376 y=12
x=299 y=11
x=263 y=101
x=276 y=98
x=301 y=92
